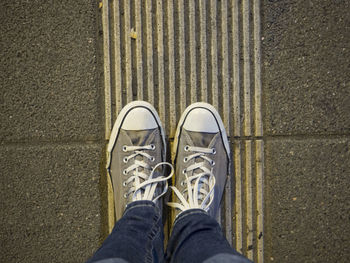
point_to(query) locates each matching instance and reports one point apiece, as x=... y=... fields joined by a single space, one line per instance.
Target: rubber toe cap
x=201 y=120
x=139 y=119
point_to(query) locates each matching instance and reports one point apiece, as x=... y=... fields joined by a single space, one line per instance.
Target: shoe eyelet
x=186 y=148
x=124 y=148
x=184 y=171
x=125 y=159
x=152 y=159
x=125 y=172
x=125 y=196
x=213 y=151
x=182 y=183
x=212 y=163
x=185 y=160
x=124 y=183
x=153 y=147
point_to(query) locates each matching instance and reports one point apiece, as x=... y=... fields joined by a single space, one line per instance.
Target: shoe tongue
x=201 y=139
x=139 y=138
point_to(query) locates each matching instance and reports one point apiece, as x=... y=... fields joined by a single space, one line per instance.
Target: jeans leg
x=197 y=237
x=136 y=237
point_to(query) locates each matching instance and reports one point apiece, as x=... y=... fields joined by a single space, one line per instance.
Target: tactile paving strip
x=173 y=53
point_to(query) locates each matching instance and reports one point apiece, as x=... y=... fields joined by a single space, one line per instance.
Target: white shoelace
x=198 y=195
x=143 y=184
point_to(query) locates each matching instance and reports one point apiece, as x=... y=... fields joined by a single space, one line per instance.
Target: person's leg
x=202 y=160
x=136 y=156
x=197 y=237
x=136 y=237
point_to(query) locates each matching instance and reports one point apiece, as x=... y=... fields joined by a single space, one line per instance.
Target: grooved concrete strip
x=173 y=53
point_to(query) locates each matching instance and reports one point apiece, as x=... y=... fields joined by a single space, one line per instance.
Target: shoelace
x=144 y=185
x=197 y=194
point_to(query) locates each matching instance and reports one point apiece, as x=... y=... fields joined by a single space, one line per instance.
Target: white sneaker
x=136 y=156
x=202 y=159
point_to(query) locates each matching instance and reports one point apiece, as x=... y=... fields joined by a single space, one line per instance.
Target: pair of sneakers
x=137 y=158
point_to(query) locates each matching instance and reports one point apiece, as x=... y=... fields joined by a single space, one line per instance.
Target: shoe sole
x=217 y=117
x=117 y=125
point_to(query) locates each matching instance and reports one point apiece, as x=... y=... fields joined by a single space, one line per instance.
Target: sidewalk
x=276 y=70
x=51 y=136
x=307 y=124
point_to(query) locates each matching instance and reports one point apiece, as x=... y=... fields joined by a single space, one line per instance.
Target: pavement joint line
x=160 y=54
x=171 y=63
x=228 y=212
x=34 y=143
x=292 y=136
x=139 y=71
x=149 y=53
x=108 y=104
x=203 y=50
x=127 y=47
x=305 y=136
x=110 y=201
x=214 y=51
x=249 y=199
x=225 y=70
x=259 y=164
x=246 y=138
x=236 y=78
x=149 y=46
x=238 y=196
x=259 y=143
x=182 y=55
x=246 y=68
x=226 y=111
x=257 y=69
x=117 y=58
x=107 y=70
x=236 y=138
x=192 y=37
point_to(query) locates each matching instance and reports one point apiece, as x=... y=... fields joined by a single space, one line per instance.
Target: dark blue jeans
x=138 y=237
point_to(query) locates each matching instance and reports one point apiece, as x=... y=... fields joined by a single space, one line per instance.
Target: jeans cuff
x=142 y=203
x=189 y=212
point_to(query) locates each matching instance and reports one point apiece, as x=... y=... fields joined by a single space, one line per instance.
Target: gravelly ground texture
x=306 y=81
x=51 y=136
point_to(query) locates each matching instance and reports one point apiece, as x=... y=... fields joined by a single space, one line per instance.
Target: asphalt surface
x=306 y=67
x=307 y=200
x=51 y=135
x=306 y=87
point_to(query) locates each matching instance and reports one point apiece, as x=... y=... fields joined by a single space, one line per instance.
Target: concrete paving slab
x=173 y=53
x=306 y=54
x=50 y=202
x=49 y=74
x=307 y=200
